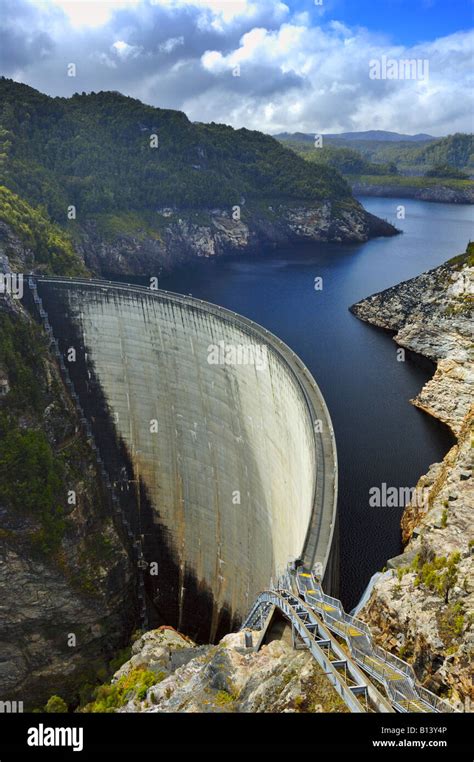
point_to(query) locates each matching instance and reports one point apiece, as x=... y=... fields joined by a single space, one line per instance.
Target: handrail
x=301 y=618
x=377 y=661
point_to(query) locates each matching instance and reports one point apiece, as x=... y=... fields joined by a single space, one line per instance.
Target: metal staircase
x=397 y=677
x=358 y=693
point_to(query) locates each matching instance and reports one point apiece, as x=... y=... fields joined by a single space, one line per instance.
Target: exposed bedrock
x=424 y=611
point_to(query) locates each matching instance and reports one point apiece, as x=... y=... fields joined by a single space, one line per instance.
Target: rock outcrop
x=15 y=255
x=179 y=235
x=424 y=611
x=168 y=673
x=66 y=580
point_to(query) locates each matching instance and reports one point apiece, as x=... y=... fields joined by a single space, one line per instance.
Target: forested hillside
x=409 y=157
x=94 y=151
x=455 y=150
x=103 y=182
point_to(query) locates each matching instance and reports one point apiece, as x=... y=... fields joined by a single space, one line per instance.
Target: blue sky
x=274 y=65
x=405 y=21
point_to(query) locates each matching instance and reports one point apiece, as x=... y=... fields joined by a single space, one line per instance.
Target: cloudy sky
x=304 y=64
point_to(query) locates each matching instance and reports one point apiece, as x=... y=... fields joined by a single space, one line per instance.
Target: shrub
x=31 y=480
x=56 y=705
x=439 y=574
x=134 y=684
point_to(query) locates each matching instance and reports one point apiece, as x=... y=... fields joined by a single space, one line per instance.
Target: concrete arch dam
x=215 y=438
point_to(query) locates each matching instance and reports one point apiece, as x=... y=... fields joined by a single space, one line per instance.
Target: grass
x=467 y=258
x=139 y=225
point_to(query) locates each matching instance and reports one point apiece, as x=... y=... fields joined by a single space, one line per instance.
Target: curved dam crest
x=222 y=467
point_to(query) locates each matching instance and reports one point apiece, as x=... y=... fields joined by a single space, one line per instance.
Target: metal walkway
x=397 y=677
x=357 y=692
x=321 y=623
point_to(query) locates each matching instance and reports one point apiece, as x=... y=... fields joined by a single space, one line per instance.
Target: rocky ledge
x=423 y=611
x=173 y=236
x=167 y=672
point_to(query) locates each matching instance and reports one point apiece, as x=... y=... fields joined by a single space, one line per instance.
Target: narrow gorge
x=422 y=608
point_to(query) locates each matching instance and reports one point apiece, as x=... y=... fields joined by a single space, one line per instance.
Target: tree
x=449 y=577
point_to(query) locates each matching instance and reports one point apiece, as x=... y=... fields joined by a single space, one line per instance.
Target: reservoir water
x=380 y=436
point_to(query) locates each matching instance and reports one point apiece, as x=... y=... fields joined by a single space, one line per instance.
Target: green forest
x=94 y=152
x=447 y=157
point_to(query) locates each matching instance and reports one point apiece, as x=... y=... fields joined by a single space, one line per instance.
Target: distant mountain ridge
x=365 y=135
x=431 y=170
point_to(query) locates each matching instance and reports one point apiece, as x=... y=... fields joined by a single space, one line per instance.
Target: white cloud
x=296 y=74
x=333 y=91
x=124 y=50
x=168 y=45
x=87 y=13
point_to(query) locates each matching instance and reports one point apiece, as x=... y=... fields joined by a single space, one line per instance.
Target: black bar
x=126 y=733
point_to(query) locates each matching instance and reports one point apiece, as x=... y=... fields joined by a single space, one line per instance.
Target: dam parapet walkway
x=323 y=626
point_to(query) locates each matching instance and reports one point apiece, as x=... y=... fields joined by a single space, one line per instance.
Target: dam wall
x=216 y=439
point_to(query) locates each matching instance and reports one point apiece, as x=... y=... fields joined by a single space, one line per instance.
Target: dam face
x=215 y=437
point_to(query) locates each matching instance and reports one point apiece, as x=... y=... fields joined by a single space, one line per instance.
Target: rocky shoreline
x=424 y=610
x=178 y=235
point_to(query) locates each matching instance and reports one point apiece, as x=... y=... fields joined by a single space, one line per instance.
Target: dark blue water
x=380 y=436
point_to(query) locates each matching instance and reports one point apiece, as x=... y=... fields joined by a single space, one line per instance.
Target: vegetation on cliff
x=424 y=611
x=456 y=151
x=52 y=247
x=61 y=553
x=436 y=170
x=347 y=161
x=132 y=686
x=447 y=171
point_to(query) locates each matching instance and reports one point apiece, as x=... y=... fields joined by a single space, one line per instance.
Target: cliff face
x=177 y=235
x=168 y=673
x=135 y=245
x=425 y=610
x=66 y=582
